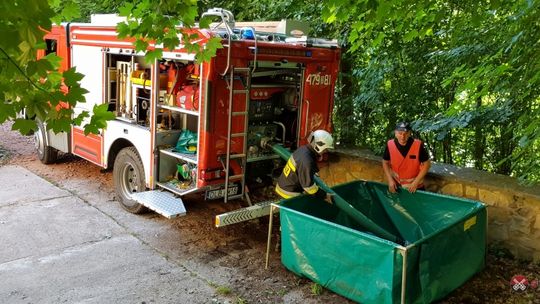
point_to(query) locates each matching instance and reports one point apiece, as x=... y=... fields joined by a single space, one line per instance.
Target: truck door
x=317 y=101
x=89 y=60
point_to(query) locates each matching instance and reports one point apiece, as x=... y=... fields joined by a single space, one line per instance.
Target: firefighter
x=405 y=160
x=299 y=172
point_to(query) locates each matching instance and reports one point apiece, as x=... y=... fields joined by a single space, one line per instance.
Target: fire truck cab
x=183 y=127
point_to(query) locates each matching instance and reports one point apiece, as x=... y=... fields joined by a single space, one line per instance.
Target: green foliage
x=31 y=86
x=156 y=22
x=37 y=88
x=461 y=70
x=465 y=72
x=99 y=119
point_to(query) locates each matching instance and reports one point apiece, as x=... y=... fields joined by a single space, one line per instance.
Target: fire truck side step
x=245 y=214
x=161 y=202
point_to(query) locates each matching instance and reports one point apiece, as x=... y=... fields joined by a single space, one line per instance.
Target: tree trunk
x=344 y=104
x=506 y=147
x=447 y=149
x=447 y=141
x=479 y=140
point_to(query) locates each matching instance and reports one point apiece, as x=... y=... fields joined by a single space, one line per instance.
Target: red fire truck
x=183 y=127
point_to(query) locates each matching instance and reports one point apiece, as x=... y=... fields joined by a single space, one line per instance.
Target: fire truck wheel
x=128 y=176
x=46 y=153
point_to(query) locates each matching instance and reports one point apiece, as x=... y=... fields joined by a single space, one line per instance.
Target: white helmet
x=321 y=140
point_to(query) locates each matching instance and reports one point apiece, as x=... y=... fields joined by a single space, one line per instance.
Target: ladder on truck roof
x=227 y=19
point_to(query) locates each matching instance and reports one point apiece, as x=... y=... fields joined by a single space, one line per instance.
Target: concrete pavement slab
x=19 y=184
x=117 y=270
x=37 y=228
x=58 y=248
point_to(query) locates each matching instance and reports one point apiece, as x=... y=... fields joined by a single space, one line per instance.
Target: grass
x=240 y=300
x=316 y=289
x=223 y=290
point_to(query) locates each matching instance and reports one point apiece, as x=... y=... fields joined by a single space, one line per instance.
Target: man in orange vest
x=405 y=160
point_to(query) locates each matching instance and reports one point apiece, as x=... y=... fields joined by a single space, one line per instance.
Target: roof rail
x=227 y=18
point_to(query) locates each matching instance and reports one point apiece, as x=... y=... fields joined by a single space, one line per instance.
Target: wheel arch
x=116 y=147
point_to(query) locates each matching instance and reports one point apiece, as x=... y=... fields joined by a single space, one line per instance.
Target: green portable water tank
x=445 y=243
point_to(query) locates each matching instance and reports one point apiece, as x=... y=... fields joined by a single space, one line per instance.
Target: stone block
x=528 y=214
x=471 y=192
x=537 y=222
x=499 y=215
x=492 y=198
x=341 y=179
x=357 y=166
x=497 y=232
x=519 y=224
x=531 y=201
x=453 y=189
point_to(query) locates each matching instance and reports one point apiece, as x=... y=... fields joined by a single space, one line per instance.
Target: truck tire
x=128 y=178
x=46 y=153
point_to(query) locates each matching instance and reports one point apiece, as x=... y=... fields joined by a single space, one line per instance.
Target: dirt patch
x=242 y=247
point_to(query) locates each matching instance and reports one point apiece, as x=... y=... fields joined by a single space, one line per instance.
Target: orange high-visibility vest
x=405 y=169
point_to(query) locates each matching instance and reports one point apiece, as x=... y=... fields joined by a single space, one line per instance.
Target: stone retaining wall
x=513 y=209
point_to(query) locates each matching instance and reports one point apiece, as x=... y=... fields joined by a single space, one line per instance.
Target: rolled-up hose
x=343 y=205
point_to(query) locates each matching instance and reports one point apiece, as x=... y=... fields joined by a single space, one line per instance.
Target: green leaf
x=70 y=11
x=59 y=125
x=205 y=22
x=71 y=77
x=383 y=10
x=24 y=126
x=125 y=10
x=7 y=111
x=54 y=60
x=379 y=39
x=410 y=36
x=123 y=30
x=141 y=45
x=80 y=118
x=89 y=128
x=152 y=55
x=31 y=68
x=76 y=94
x=99 y=119
x=55 y=78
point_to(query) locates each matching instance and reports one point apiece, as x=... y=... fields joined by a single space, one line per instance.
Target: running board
x=161 y=202
x=244 y=214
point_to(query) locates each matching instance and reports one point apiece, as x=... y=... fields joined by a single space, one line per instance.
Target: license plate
x=219 y=193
